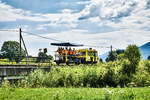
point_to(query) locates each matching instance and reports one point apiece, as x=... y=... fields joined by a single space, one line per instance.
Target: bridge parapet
x=16 y=70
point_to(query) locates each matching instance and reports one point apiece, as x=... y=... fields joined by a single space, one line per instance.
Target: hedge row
x=110 y=74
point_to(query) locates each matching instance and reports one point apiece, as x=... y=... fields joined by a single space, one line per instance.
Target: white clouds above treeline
x=129 y=21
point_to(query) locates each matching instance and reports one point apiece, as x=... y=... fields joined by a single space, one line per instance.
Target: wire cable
x=43 y=37
x=96 y=46
x=10 y=30
x=60 y=40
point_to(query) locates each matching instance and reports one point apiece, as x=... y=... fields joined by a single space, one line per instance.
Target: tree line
x=11 y=50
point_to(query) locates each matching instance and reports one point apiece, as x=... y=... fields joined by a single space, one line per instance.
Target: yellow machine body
x=88 y=55
x=83 y=56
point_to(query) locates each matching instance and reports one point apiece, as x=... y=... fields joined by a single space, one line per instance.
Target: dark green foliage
x=125 y=73
x=110 y=78
x=90 y=78
x=119 y=51
x=124 y=80
x=112 y=56
x=148 y=57
x=50 y=57
x=147 y=66
x=127 y=68
x=43 y=57
x=11 y=51
x=133 y=54
x=101 y=60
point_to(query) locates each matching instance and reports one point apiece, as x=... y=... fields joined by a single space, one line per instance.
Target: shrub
x=111 y=78
x=147 y=66
x=90 y=77
x=36 y=78
x=142 y=78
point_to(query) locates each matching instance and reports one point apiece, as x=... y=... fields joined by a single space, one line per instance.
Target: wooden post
x=111 y=50
x=20 y=42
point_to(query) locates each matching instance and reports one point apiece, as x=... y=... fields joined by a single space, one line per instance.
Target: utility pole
x=20 y=41
x=111 y=49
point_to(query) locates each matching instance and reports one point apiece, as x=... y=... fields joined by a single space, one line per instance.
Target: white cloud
x=67 y=11
x=83 y=2
x=130 y=17
x=117 y=11
x=111 y=9
x=119 y=14
x=60 y=20
x=9 y=13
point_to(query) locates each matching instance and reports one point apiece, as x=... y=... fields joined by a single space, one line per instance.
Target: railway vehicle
x=66 y=54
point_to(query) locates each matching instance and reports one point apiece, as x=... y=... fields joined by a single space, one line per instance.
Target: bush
x=36 y=78
x=142 y=77
x=147 y=66
x=111 y=78
x=90 y=77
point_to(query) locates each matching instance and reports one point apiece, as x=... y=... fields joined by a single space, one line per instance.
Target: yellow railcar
x=82 y=56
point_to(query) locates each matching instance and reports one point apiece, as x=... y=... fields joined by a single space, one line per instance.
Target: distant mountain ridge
x=145 y=51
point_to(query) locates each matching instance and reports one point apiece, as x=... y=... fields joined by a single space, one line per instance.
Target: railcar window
x=95 y=54
x=83 y=54
x=90 y=53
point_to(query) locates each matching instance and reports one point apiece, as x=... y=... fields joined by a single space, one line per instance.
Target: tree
x=50 y=57
x=132 y=53
x=101 y=60
x=148 y=58
x=42 y=56
x=119 y=51
x=112 y=56
x=12 y=51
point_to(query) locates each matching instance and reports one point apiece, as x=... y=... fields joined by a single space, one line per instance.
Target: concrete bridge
x=16 y=70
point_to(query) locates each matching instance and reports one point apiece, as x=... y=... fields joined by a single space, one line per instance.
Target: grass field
x=75 y=93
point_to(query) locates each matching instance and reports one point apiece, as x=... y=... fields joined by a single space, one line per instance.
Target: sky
x=98 y=23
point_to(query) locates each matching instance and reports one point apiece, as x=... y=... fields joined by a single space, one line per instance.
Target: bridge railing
x=36 y=61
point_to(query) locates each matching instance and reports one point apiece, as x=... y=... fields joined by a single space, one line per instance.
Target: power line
x=62 y=41
x=96 y=46
x=10 y=30
x=42 y=36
